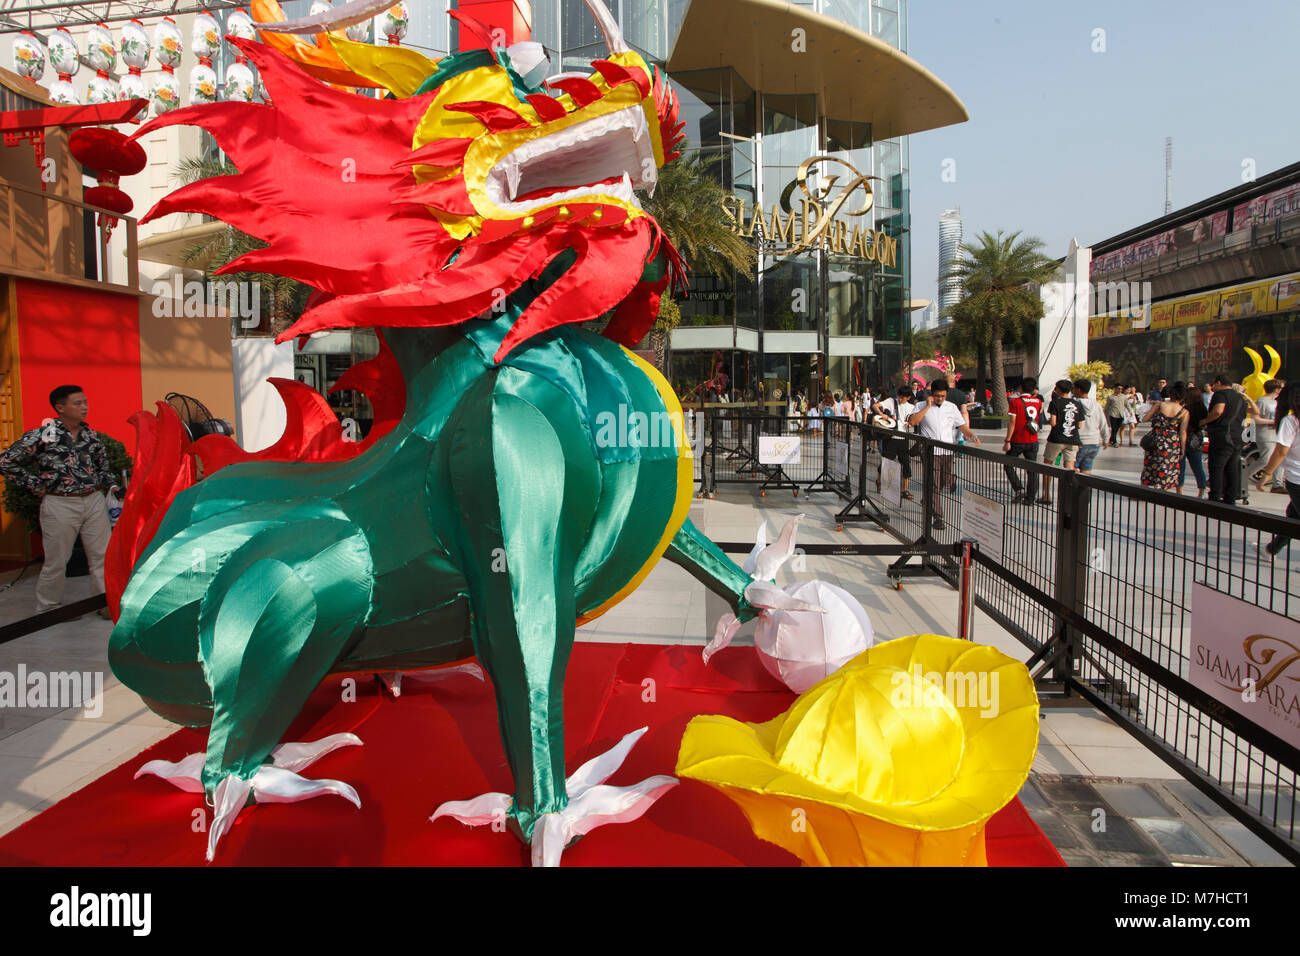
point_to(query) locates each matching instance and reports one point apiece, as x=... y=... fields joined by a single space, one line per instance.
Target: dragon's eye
x=530 y=61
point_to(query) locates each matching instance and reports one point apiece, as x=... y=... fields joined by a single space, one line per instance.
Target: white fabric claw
x=393 y=680
x=591 y=803
x=276 y=782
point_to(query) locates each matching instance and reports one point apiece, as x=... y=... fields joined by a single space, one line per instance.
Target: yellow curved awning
x=857 y=77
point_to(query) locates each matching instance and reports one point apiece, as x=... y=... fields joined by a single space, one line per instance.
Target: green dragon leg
x=525 y=490
x=269 y=630
x=705 y=562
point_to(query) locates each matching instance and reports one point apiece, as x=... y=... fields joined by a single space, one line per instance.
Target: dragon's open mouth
x=607 y=155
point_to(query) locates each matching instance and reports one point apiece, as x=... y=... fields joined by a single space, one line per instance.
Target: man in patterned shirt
x=71 y=473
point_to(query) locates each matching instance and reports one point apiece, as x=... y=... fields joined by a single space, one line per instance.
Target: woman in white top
x=1286 y=455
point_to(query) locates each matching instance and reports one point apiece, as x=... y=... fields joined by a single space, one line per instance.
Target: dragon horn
x=1274 y=361
x=608 y=27
x=332 y=19
x=1255 y=360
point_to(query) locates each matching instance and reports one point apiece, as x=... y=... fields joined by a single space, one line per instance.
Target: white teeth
x=512 y=176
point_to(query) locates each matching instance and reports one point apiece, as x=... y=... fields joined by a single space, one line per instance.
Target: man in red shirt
x=1026 y=410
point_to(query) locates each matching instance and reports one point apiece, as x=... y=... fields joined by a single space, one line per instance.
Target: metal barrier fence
x=1097 y=582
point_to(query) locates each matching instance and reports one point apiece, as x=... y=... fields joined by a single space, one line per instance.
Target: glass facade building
x=817 y=319
x=760 y=138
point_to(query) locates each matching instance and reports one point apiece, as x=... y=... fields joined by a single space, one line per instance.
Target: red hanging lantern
x=110 y=155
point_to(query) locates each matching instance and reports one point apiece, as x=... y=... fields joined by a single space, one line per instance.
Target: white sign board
x=891 y=482
x=778 y=449
x=840 y=459
x=983 y=521
x=1247 y=658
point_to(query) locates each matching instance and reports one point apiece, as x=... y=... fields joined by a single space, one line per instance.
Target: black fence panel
x=1095 y=577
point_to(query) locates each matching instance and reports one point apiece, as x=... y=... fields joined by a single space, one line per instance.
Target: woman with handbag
x=1165 y=444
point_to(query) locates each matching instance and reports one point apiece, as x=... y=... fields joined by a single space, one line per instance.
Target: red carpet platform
x=439 y=742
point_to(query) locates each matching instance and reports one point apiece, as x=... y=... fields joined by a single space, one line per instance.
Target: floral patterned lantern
x=392 y=23
x=240 y=24
x=101 y=54
x=66 y=61
x=29 y=56
x=207 y=40
x=134 y=47
x=166 y=88
x=240 y=84
x=359 y=32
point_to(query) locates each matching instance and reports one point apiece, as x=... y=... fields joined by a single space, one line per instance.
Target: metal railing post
x=1071 y=565
x=965 y=602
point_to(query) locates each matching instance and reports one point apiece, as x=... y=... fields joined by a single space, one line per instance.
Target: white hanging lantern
x=101 y=54
x=392 y=23
x=134 y=47
x=207 y=40
x=320 y=6
x=203 y=83
x=169 y=44
x=359 y=32
x=29 y=56
x=65 y=59
x=206 y=36
x=240 y=85
x=166 y=93
x=167 y=38
x=240 y=24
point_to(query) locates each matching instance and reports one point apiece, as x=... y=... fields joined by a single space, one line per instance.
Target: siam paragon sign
x=816 y=224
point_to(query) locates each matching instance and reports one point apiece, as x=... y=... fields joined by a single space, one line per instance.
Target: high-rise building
x=949 y=252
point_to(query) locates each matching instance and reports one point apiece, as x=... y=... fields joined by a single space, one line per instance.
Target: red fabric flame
x=323 y=173
x=165 y=457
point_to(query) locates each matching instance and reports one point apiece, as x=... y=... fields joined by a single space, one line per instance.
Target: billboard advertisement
x=1264 y=209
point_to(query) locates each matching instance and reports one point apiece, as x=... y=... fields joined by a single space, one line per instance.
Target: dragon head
x=431 y=205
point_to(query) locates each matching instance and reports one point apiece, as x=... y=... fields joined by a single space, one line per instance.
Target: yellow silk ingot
x=895 y=757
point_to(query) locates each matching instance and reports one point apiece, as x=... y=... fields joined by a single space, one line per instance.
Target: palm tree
x=1001 y=276
x=968 y=339
x=687 y=204
x=283 y=300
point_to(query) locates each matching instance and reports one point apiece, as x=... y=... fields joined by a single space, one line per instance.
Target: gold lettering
x=869 y=237
x=891 y=247
x=838 y=234
x=778 y=232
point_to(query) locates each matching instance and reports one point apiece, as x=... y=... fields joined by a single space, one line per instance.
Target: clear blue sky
x=1066 y=143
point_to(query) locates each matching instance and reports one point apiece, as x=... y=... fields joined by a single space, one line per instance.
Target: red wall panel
x=68 y=335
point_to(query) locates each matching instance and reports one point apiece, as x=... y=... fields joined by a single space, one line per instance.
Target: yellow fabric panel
x=685 y=486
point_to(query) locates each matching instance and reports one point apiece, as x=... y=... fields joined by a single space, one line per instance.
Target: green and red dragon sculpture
x=475 y=218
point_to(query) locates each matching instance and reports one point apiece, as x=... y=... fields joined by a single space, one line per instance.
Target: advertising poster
x=1214 y=349
x=1195 y=309
x=778 y=449
x=1247 y=658
x=840 y=459
x=1285 y=293
x=891 y=482
x=1244 y=301
x=1162 y=315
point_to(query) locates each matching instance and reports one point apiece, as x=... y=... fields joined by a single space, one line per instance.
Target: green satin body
x=510 y=500
x=397 y=495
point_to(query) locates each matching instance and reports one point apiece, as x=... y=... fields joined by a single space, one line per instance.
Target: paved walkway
x=1101 y=796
